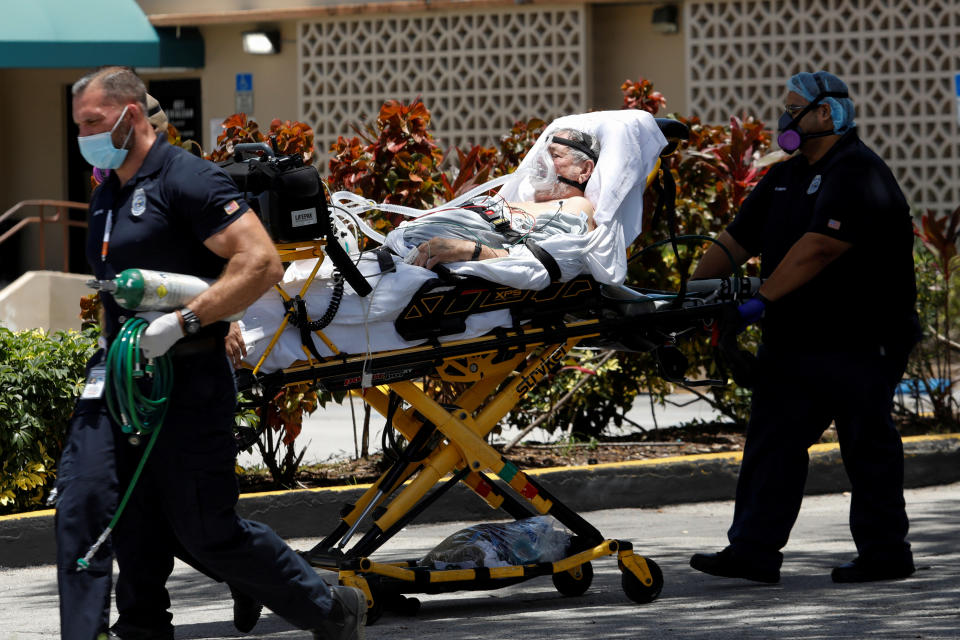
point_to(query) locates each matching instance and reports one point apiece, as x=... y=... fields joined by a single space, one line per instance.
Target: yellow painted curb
x=732 y=456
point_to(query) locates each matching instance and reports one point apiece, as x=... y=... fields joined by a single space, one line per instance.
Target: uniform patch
x=814 y=184
x=231 y=207
x=833 y=224
x=139 y=203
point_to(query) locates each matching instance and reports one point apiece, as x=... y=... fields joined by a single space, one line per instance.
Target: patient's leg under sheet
x=361 y=325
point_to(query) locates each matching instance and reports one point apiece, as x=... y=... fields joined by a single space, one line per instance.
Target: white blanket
x=630 y=143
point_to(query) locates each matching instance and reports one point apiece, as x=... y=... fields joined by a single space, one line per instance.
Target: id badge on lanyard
x=96 y=380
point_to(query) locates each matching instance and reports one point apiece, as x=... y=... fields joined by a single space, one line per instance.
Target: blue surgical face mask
x=98 y=149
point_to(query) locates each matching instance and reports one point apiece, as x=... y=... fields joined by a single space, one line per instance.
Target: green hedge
x=40 y=377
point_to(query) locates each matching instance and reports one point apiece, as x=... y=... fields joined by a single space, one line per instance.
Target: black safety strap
x=667 y=203
x=576 y=144
x=296 y=309
x=582 y=186
x=541 y=254
x=666 y=190
x=299 y=320
x=385 y=259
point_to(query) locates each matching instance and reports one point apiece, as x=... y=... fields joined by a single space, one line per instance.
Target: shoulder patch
x=231 y=207
x=833 y=224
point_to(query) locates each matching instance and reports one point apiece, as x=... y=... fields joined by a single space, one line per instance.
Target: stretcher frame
x=446 y=445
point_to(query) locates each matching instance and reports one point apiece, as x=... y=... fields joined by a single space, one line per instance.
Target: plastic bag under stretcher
x=527 y=541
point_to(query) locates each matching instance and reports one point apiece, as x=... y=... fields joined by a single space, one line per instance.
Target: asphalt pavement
x=805 y=604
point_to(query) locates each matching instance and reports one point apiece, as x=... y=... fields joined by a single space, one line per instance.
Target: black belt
x=207 y=346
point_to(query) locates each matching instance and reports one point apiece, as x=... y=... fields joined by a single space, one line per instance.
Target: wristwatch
x=191 y=323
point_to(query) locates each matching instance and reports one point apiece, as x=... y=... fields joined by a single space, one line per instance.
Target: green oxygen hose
x=136 y=410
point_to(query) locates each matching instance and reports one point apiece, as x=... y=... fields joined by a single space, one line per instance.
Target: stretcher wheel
x=571 y=585
x=639 y=592
x=403 y=605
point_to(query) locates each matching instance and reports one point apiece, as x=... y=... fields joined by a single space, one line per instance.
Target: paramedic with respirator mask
x=837 y=311
x=164 y=209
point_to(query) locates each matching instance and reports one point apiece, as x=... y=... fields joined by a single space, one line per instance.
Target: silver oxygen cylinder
x=148 y=290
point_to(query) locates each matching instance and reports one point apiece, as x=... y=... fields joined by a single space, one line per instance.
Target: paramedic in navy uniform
x=837 y=310
x=163 y=208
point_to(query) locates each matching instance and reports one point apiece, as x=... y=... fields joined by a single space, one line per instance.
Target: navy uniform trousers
x=796 y=398
x=183 y=505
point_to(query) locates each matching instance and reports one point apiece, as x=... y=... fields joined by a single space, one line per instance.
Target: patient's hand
x=235 y=346
x=437 y=250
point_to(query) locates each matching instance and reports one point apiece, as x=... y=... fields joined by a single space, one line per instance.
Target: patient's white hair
x=585 y=139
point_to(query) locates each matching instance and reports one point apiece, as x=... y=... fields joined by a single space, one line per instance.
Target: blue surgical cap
x=841 y=109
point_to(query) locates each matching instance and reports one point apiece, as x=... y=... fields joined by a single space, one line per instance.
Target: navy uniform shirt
x=160 y=219
x=866 y=297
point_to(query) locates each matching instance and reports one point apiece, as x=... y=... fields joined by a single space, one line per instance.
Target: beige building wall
x=33 y=164
x=274 y=77
x=34 y=108
x=622 y=45
x=625 y=47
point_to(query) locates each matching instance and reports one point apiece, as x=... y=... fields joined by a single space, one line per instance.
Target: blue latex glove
x=751 y=311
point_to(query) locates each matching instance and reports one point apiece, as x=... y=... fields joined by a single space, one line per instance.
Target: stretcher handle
x=748 y=286
x=254 y=149
x=674 y=131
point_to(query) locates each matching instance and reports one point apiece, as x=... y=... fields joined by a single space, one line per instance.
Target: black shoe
x=860 y=571
x=133 y=632
x=348 y=617
x=725 y=565
x=246 y=611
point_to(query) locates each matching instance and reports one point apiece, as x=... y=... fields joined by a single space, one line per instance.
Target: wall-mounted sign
x=243 y=98
x=180 y=100
x=956 y=83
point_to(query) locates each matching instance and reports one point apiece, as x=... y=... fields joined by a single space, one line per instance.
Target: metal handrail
x=60 y=218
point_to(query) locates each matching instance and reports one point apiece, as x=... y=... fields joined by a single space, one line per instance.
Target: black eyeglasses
x=794 y=108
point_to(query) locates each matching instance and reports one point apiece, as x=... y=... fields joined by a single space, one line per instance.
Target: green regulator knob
x=128 y=288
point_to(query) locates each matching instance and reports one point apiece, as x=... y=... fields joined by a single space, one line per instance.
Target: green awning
x=85 y=33
x=180 y=47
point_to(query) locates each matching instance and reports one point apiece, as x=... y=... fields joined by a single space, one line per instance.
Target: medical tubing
x=135 y=411
x=84 y=562
x=352 y=202
x=131 y=408
x=361 y=225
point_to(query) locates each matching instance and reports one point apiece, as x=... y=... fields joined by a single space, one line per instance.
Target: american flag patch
x=833 y=224
x=231 y=207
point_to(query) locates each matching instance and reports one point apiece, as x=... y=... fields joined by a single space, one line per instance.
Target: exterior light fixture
x=665 y=19
x=263 y=43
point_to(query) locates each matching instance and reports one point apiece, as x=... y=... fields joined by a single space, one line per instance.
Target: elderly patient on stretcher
x=558 y=206
x=572 y=207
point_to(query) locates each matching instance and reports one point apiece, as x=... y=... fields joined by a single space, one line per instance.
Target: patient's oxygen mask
x=542 y=172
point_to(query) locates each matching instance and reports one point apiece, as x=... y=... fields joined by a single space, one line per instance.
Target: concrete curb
x=28 y=539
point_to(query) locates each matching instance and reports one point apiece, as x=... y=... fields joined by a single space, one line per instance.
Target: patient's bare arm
x=437 y=250
x=440 y=250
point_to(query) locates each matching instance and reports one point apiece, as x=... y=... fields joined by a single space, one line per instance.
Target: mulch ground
x=655 y=443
